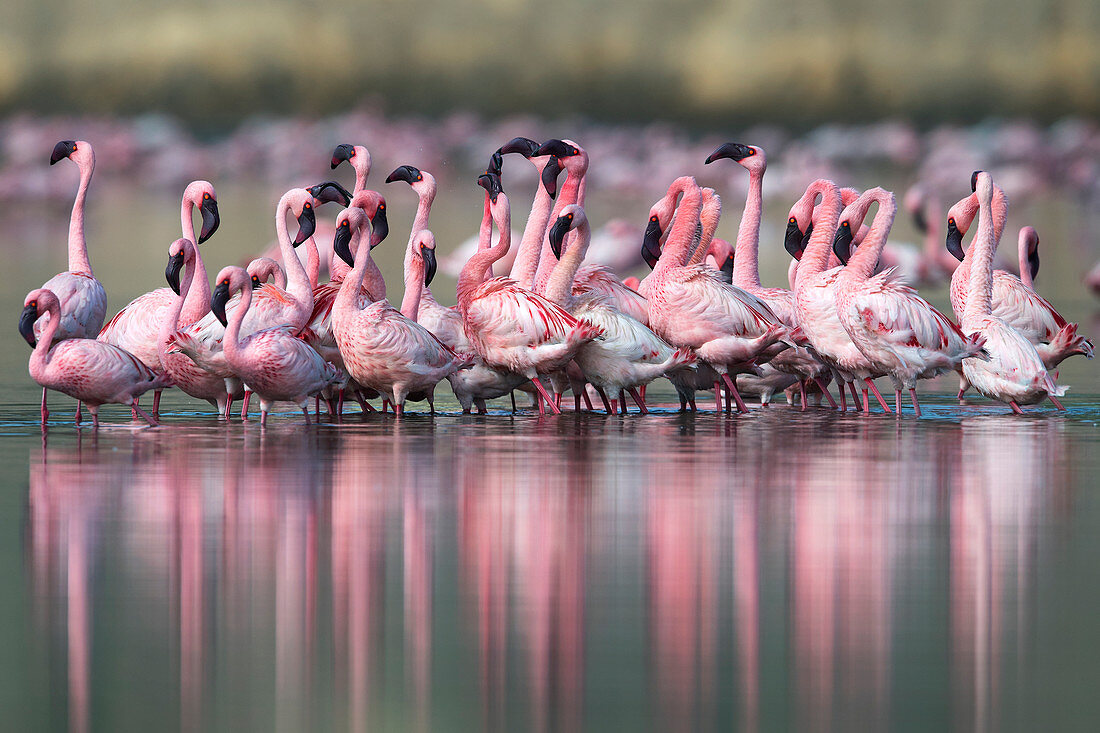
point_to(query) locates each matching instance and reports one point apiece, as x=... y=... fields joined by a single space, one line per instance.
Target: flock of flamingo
x=701 y=318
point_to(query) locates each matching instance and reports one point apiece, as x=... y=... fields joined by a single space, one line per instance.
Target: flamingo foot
x=606 y=403
x=148 y=418
x=1056 y=402
x=916 y=405
x=878 y=395
x=1015 y=407
x=825 y=391
x=638 y=400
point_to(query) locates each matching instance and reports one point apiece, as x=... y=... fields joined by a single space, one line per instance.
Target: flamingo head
x=422 y=182
x=373 y=205
x=491 y=184
x=798 y=234
x=348 y=225
x=660 y=218
x=357 y=155
x=299 y=202
x=179 y=253
x=201 y=195
x=524 y=146
x=1029 y=242
x=78 y=151
x=36 y=303
x=230 y=280
x=328 y=192
x=262 y=269
x=748 y=156
x=959 y=218
x=722 y=252
x=572 y=217
x=566 y=155
x=424 y=245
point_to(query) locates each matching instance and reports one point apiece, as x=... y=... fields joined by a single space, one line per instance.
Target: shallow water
x=771 y=571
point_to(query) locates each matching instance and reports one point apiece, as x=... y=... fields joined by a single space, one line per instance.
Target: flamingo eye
x=308 y=205
x=752 y=152
x=844 y=224
x=420 y=176
x=951 y=220
x=381 y=207
x=654 y=218
x=33 y=304
x=206 y=197
x=791 y=221
x=225 y=281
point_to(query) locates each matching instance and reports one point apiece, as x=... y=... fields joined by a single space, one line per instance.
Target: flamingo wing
x=135 y=327
x=1024 y=309
x=83 y=304
x=706 y=305
x=514 y=316
x=895 y=313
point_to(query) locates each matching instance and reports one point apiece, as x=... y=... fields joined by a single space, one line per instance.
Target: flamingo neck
x=572 y=192
x=746 y=251
x=826 y=213
x=41 y=354
x=313 y=262
x=682 y=232
x=78 y=245
x=862 y=264
x=361 y=174
x=297 y=281
x=792 y=273
x=709 y=215
x=348 y=296
x=414 y=287
x=197 y=303
x=1025 y=266
x=979 y=299
x=473 y=274
x=173 y=321
x=230 y=343
x=560 y=286
x=527 y=259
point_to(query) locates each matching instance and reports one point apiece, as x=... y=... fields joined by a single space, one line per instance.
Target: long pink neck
x=572 y=192
x=313 y=262
x=746 y=252
x=414 y=287
x=347 y=299
x=863 y=263
x=362 y=171
x=979 y=299
x=197 y=303
x=420 y=222
x=709 y=215
x=999 y=209
x=1025 y=266
x=560 y=286
x=473 y=274
x=825 y=216
x=682 y=232
x=78 y=245
x=173 y=322
x=297 y=281
x=230 y=343
x=527 y=259
x=41 y=355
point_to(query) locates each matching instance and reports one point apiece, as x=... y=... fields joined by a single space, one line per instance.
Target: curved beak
x=974 y=181
x=557 y=233
x=330 y=192
x=211 y=219
x=555 y=147
x=341 y=153
x=651 y=243
x=842 y=243
x=341 y=244
x=954 y=241
x=429 y=264
x=525 y=146
x=550 y=176
x=406 y=173
x=217 y=302
x=62 y=150
x=496 y=164
x=26 y=324
x=733 y=151
x=727 y=268
x=172 y=272
x=491 y=183
x=307 y=224
x=379 y=226
x=792 y=240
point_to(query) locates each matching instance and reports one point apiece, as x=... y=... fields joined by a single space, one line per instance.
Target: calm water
x=776 y=571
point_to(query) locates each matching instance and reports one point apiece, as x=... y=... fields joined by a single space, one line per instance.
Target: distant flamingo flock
x=555 y=324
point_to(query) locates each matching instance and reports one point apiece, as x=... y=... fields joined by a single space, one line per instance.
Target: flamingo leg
x=228 y=407
x=431 y=406
x=897 y=400
x=606 y=403
x=148 y=418
x=718 y=397
x=741 y=406
x=576 y=402
x=385 y=406
x=691 y=401
x=641 y=390
x=317 y=403
x=802 y=389
x=622 y=403
x=46 y=412
x=638 y=400
x=95 y=418
x=363 y=404
x=244 y=404
x=1056 y=402
x=512 y=394
x=825 y=391
x=78 y=417
x=855 y=396
x=557 y=399
x=916 y=405
x=588 y=400
x=878 y=396
x=305 y=411
x=263 y=417
x=545 y=396
x=156 y=403
x=1015 y=407
x=843 y=399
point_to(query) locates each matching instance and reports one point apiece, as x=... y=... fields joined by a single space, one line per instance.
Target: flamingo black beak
x=733 y=151
x=379 y=225
x=1033 y=261
x=842 y=242
x=341 y=243
x=429 y=264
x=727 y=268
x=651 y=242
x=307 y=224
x=406 y=173
x=792 y=240
x=341 y=153
x=557 y=148
x=558 y=232
x=974 y=181
x=525 y=146
x=211 y=219
x=63 y=149
x=330 y=192
x=490 y=183
x=496 y=164
x=218 y=300
x=26 y=323
x=550 y=176
x=954 y=240
x=172 y=272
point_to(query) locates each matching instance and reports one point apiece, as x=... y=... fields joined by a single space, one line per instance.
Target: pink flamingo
x=510 y=327
x=273 y=362
x=87 y=370
x=323 y=193
x=815 y=290
x=184 y=373
x=628 y=355
x=796 y=362
x=691 y=307
x=272 y=306
x=1015 y=373
x=526 y=262
x=136 y=327
x=899 y=332
x=82 y=299
x=263 y=269
x=1014 y=302
x=382 y=347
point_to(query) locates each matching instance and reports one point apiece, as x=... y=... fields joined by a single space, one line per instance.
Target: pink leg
x=1015 y=407
x=802 y=390
x=78 y=416
x=545 y=396
x=46 y=412
x=244 y=405
x=855 y=396
x=916 y=405
x=606 y=402
x=588 y=400
x=741 y=407
x=718 y=397
x=897 y=401
x=431 y=406
x=843 y=399
x=638 y=401
x=576 y=402
x=363 y=404
x=878 y=396
x=263 y=417
x=825 y=391
x=1056 y=402
x=305 y=411
x=512 y=394
x=148 y=418
x=398 y=409
x=385 y=406
x=642 y=391
x=228 y=407
x=866 y=407
x=317 y=403
x=156 y=404
x=622 y=403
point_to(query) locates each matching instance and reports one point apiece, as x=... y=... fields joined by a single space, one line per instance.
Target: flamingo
x=527 y=255
x=184 y=373
x=1016 y=303
x=136 y=328
x=272 y=306
x=691 y=307
x=510 y=327
x=323 y=193
x=273 y=362
x=628 y=355
x=87 y=370
x=262 y=269
x=82 y=299
x=382 y=347
x=899 y=332
x=794 y=364
x=815 y=287
x=1015 y=373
